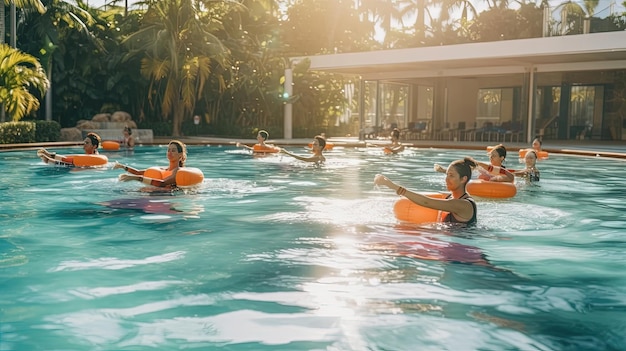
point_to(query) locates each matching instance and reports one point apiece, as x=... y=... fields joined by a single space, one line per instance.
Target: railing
x=573 y=18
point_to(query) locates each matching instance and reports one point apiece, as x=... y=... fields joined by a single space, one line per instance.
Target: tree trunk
x=179 y=111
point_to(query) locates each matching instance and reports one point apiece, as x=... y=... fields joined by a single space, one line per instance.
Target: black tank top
x=449 y=218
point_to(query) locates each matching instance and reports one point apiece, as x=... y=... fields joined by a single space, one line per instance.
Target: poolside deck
x=613 y=149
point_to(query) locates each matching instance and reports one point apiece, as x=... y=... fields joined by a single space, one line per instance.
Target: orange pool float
x=408 y=211
x=540 y=154
x=483 y=188
x=185 y=177
x=110 y=145
x=329 y=146
x=265 y=149
x=79 y=160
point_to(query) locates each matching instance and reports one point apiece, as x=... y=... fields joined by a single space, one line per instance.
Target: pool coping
x=580 y=147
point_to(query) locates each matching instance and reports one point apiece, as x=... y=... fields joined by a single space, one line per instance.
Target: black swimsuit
x=449 y=218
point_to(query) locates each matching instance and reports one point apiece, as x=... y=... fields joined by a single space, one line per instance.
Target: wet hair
x=464 y=167
x=501 y=150
x=130 y=131
x=538 y=139
x=395 y=133
x=95 y=139
x=181 y=149
x=321 y=141
x=531 y=152
x=264 y=134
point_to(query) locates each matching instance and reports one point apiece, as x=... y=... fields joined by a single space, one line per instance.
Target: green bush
x=17 y=132
x=158 y=128
x=47 y=131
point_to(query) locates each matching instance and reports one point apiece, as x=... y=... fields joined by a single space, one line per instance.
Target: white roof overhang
x=597 y=51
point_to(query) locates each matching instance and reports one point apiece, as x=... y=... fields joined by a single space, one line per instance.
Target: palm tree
x=33 y=4
x=42 y=32
x=177 y=56
x=19 y=74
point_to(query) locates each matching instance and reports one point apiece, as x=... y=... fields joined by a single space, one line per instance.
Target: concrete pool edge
x=578 y=147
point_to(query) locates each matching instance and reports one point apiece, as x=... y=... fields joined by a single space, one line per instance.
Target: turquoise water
x=274 y=254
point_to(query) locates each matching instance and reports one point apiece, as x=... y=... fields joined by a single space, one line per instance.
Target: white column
x=532 y=89
x=288 y=89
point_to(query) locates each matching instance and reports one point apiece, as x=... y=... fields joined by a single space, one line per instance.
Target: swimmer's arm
x=521 y=172
x=461 y=208
x=439 y=169
x=128 y=169
x=301 y=158
x=496 y=174
x=171 y=180
x=245 y=146
x=396 y=148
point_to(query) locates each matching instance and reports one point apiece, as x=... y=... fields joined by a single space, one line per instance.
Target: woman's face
x=530 y=159
x=495 y=158
x=259 y=138
x=453 y=179
x=316 y=145
x=88 y=146
x=536 y=145
x=173 y=154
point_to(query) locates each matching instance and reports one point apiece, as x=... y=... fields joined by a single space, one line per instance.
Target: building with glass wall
x=562 y=87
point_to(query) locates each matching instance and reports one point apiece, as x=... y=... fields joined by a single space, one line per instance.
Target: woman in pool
x=176 y=154
x=318 y=145
x=128 y=139
x=460 y=206
x=495 y=171
x=90 y=146
x=531 y=173
x=395 y=146
x=261 y=146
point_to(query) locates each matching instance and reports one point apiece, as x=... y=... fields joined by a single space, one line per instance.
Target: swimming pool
x=273 y=254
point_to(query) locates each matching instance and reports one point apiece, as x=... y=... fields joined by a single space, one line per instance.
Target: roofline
x=521 y=53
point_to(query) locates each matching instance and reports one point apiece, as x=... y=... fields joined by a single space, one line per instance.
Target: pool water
x=270 y=253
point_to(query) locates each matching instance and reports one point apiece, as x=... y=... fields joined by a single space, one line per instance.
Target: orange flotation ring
x=110 y=145
x=329 y=146
x=540 y=154
x=483 y=188
x=185 y=176
x=89 y=160
x=76 y=160
x=408 y=211
x=265 y=148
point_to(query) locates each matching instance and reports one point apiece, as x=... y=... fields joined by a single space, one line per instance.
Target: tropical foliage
x=21 y=78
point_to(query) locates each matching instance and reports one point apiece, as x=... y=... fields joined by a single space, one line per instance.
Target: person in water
x=530 y=173
x=495 y=171
x=90 y=146
x=395 y=146
x=128 y=140
x=176 y=154
x=460 y=207
x=537 y=144
x=261 y=138
x=318 y=145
